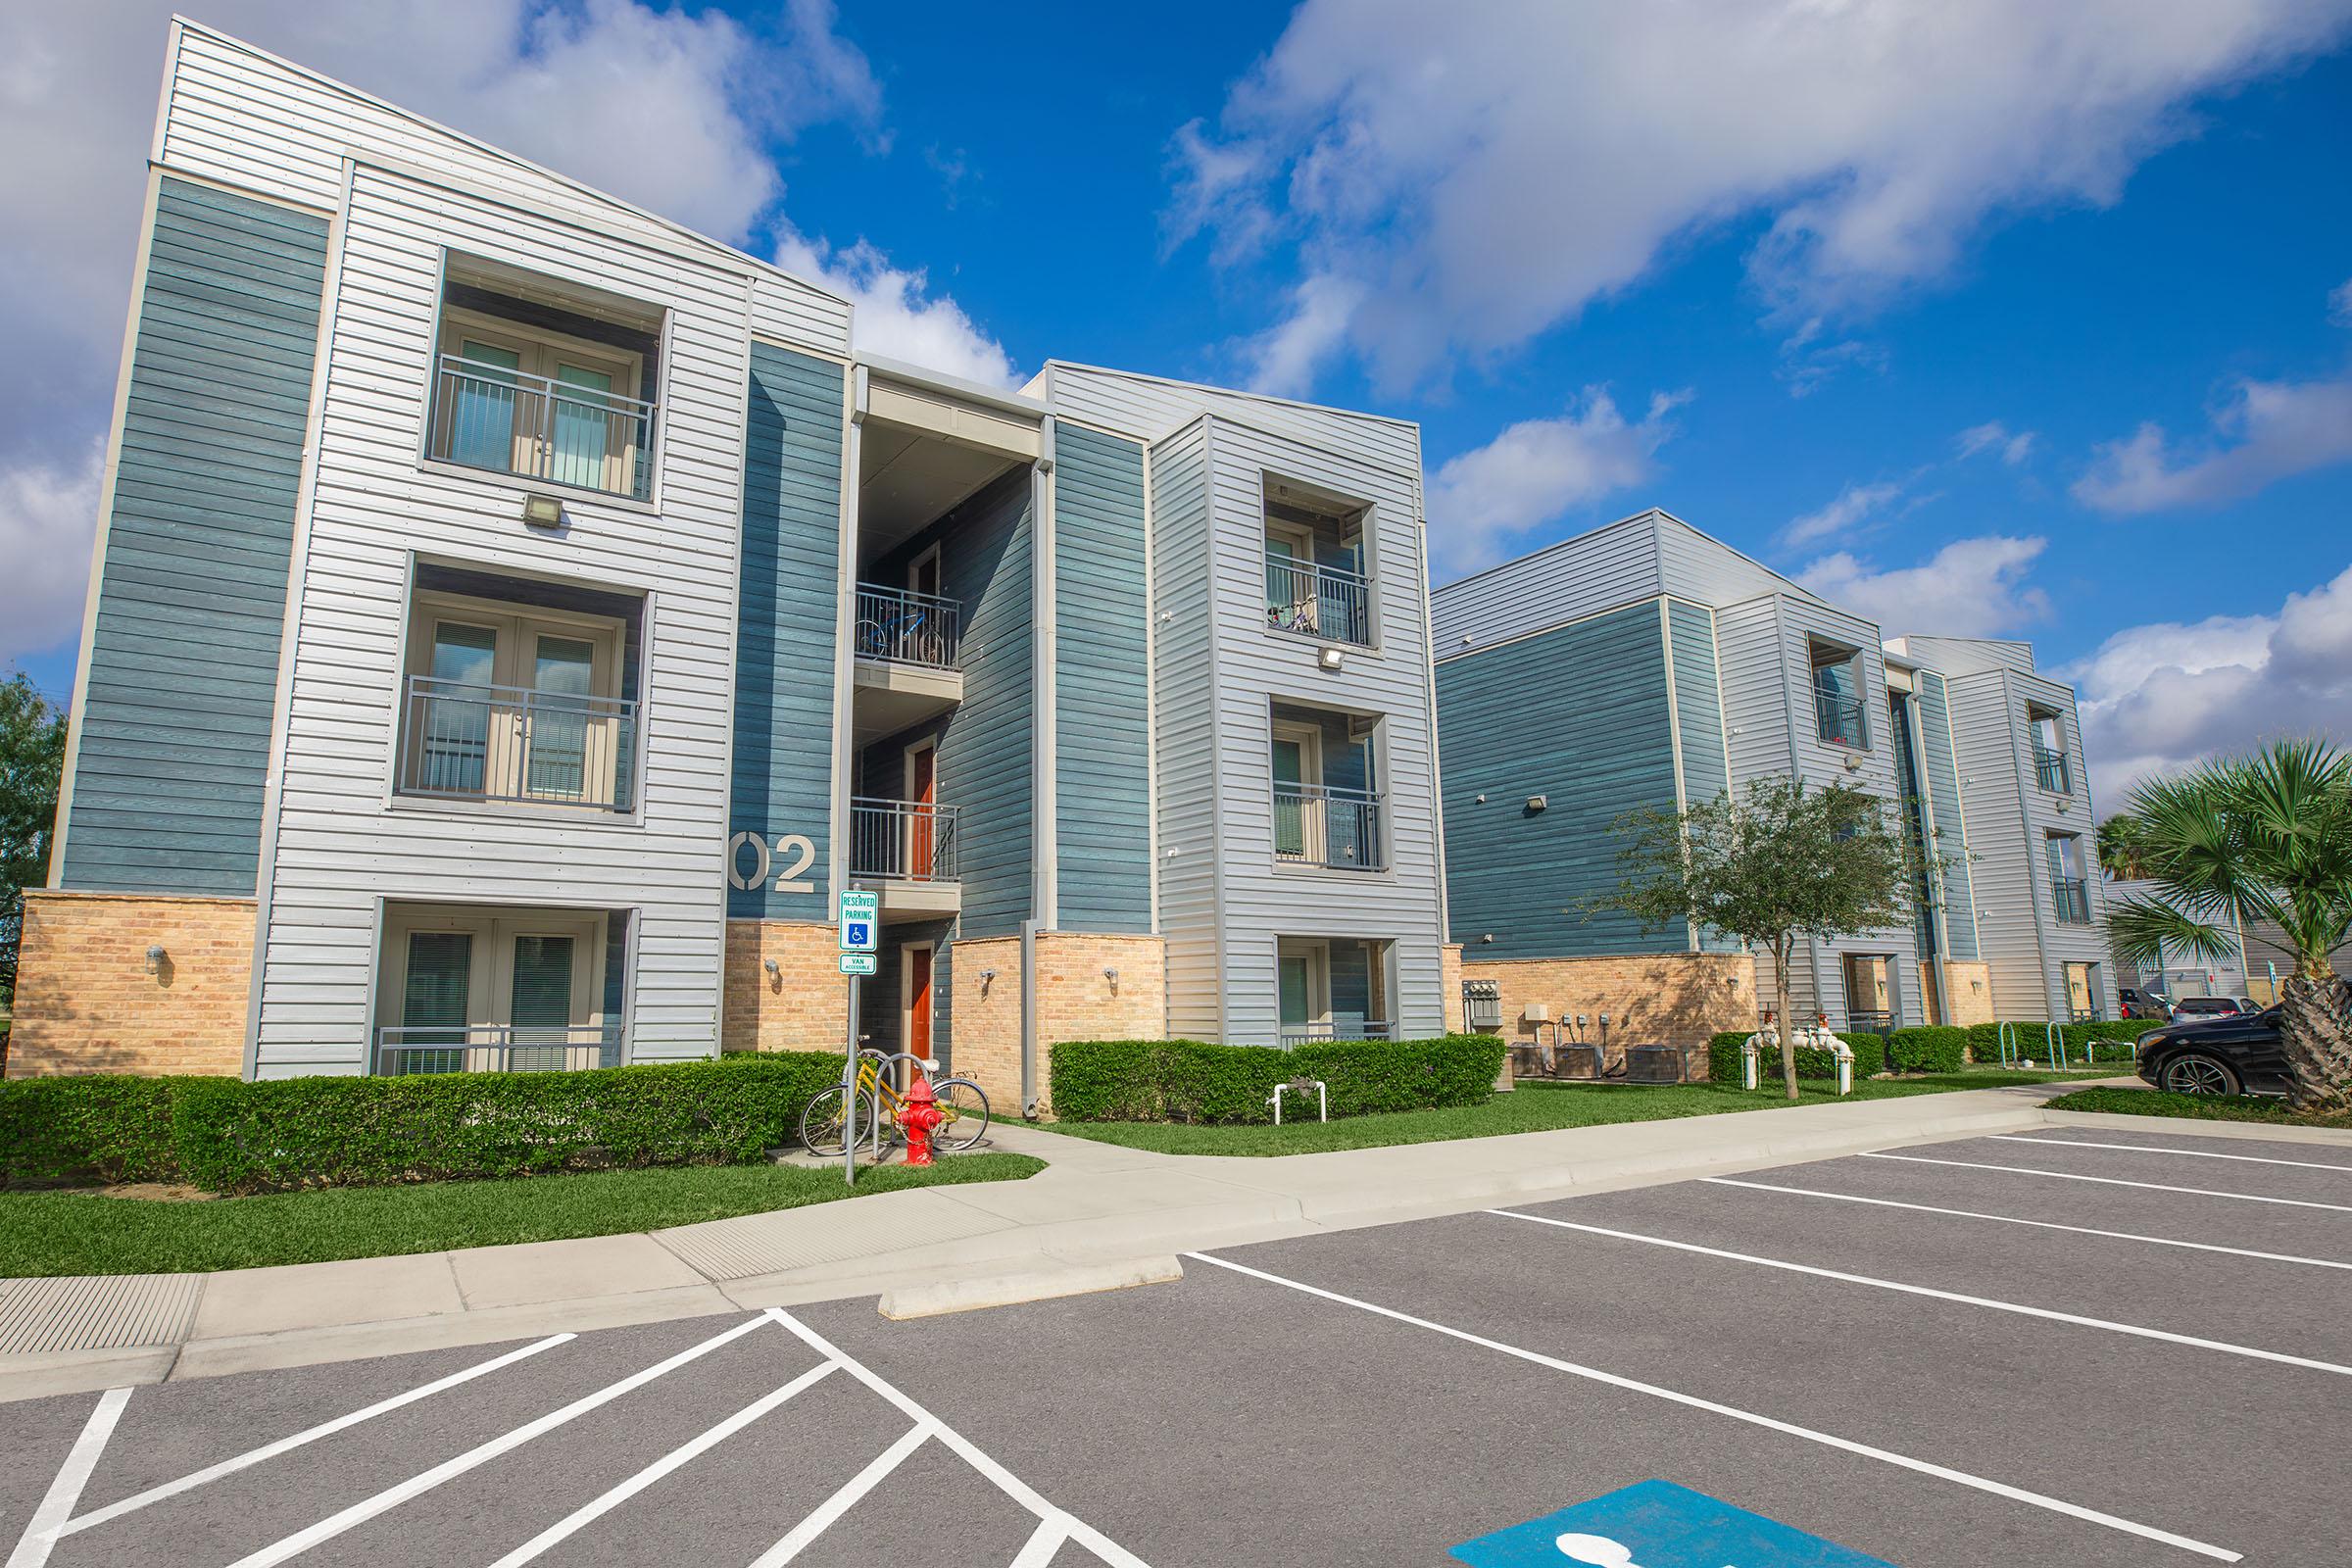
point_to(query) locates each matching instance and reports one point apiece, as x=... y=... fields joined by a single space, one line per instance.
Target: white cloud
x=895 y=315
x=1482 y=184
x=1854 y=503
x=2339 y=303
x=1537 y=469
x=1969 y=588
x=46 y=514
x=1284 y=359
x=1995 y=436
x=2266 y=432
x=2155 y=698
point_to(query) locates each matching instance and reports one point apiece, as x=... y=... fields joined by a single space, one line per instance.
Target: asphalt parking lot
x=2063 y=1348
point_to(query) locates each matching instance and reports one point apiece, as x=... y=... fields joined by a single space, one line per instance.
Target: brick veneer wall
x=1449 y=975
x=1673 y=998
x=801 y=1007
x=1075 y=1000
x=86 y=1003
x=1970 y=1001
x=986 y=1017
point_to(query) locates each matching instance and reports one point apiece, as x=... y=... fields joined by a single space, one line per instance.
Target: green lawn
x=80 y=1233
x=2197 y=1107
x=1535 y=1107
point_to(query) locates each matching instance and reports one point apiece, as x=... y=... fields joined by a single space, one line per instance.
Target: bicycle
x=962 y=1109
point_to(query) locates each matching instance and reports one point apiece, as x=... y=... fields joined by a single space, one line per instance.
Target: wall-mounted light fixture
x=1488 y=937
x=988 y=977
x=543 y=512
x=775 y=974
x=155 y=959
x=1112 y=975
x=1537 y=803
x=1330 y=659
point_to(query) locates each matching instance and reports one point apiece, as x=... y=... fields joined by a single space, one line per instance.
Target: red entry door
x=922 y=793
x=918 y=999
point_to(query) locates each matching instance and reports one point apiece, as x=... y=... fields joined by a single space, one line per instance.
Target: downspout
x=1029 y=930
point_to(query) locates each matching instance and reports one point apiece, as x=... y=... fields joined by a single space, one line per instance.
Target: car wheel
x=2193 y=1073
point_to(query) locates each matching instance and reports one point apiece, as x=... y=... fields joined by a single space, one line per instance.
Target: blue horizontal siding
x=1101 y=684
x=788 y=608
x=172 y=755
x=1577 y=714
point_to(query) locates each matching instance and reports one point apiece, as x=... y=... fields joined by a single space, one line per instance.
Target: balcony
x=910 y=658
x=2051 y=770
x=911 y=848
x=513 y=745
x=1325 y=602
x=1328 y=828
x=2073 y=899
x=1839 y=719
x=498 y=1048
x=563 y=431
x=1316 y=1034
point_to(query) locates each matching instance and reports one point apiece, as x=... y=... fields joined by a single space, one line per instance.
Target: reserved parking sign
x=1657 y=1524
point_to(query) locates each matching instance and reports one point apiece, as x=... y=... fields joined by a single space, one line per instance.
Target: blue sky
x=2011 y=322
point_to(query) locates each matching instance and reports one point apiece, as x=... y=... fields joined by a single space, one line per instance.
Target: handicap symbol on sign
x=1657 y=1524
x=857 y=934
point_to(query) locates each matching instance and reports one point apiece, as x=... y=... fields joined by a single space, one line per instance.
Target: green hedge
x=1723 y=1059
x=1190 y=1081
x=229 y=1136
x=1929 y=1048
x=1985 y=1039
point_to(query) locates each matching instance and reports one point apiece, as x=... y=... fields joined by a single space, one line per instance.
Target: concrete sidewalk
x=1096 y=1203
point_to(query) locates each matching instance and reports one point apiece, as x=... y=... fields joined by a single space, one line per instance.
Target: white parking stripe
x=1042 y=1545
x=2038 y=1224
x=2021 y=1311
x=2112 y=1181
x=41 y=1532
x=1013 y=1486
x=1828 y=1440
x=589 y=1512
x=844 y=1498
x=416 y=1486
x=327 y=1428
x=2194 y=1153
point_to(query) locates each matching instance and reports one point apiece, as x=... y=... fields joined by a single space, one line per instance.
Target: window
x=1869 y=994
x=550 y=391
x=1840 y=717
x=476 y=990
x=1327 y=797
x=2050 y=767
x=1317 y=581
x=515 y=703
x=2068 y=888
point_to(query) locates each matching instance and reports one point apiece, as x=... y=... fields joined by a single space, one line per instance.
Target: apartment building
x=516 y=618
x=1645 y=664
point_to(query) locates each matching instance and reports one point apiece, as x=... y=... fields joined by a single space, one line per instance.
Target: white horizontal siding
x=1183 y=676
x=240 y=116
x=1576 y=577
x=341 y=848
x=1148 y=408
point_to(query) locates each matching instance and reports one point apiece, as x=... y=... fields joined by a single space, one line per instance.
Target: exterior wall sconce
x=988 y=977
x=1330 y=659
x=775 y=974
x=1539 y=802
x=1488 y=937
x=155 y=959
x=1112 y=975
x=543 y=512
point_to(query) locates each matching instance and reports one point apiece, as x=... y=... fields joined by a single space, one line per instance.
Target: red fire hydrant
x=918 y=1117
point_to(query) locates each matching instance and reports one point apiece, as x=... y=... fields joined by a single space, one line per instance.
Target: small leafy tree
x=2124 y=848
x=33 y=753
x=1783 y=862
x=2265 y=837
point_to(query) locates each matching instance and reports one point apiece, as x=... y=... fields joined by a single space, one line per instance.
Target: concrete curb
x=1011 y=1289
x=1099 y=1217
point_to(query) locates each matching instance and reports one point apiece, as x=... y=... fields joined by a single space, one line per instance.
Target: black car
x=2144 y=1004
x=2238 y=1054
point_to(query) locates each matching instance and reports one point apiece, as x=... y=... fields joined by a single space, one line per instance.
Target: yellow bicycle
x=962 y=1109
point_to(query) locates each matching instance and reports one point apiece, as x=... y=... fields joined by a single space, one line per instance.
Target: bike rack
x=1322 y=1099
x=2053 y=1040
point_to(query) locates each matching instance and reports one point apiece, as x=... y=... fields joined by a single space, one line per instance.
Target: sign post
x=860 y=914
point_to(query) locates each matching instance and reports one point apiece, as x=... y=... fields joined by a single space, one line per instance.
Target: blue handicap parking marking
x=1657 y=1524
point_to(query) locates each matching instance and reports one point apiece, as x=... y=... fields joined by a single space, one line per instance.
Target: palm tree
x=2124 y=848
x=2266 y=837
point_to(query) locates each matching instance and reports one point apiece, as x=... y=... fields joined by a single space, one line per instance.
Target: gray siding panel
x=1183 y=677
x=788 y=597
x=1943 y=798
x=1577 y=714
x=987 y=746
x=1101 y=684
x=1698 y=721
x=173 y=749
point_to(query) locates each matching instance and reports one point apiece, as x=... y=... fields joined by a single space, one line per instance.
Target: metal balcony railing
x=498 y=1048
x=2051 y=770
x=488 y=417
x=2073 y=899
x=1325 y=601
x=1336 y=829
x=902 y=841
x=515 y=744
x=1869 y=1020
x=1310 y=1034
x=911 y=628
x=1839 y=719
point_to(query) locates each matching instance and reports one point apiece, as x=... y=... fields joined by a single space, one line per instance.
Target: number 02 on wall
x=789 y=863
